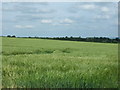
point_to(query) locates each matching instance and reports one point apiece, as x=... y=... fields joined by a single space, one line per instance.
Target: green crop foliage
x=41 y=63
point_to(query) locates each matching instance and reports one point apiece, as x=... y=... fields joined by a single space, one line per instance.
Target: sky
x=58 y=19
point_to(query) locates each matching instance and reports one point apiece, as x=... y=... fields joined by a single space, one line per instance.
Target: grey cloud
x=27 y=7
x=28 y=11
x=35 y=10
x=104 y=3
x=32 y=17
x=98 y=6
x=32 y=3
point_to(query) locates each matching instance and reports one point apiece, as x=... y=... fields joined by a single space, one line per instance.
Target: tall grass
x=58 y=64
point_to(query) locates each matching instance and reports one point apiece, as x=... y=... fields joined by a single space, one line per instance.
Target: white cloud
x=46 y=21
x=60 y=0
x=102 y=17
x=43 y=10
x=29 y=26
x=24 y=26
x=66 y=20
x=18 y=26
x=104 y=9
x=56 y=24
x=7 y=9
x=87 y=6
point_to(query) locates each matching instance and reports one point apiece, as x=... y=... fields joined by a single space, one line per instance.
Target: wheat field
x=41 y=63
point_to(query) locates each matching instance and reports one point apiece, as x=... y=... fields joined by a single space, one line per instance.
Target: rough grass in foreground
x=40 y=63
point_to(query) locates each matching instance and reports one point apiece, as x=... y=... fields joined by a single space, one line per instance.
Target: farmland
x=41 y=63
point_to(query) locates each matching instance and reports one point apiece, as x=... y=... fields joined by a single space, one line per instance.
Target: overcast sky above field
x=60 y=19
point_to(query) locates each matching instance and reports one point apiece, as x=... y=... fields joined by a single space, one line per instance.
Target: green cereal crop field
x=42 y=63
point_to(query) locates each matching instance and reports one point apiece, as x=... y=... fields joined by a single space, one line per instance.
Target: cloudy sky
x=86 y=19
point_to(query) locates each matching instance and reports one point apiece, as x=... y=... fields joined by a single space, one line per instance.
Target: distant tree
x=117 y=39
x=13 y=36
x=71 y=37
x=66 y=37
x=8 y=36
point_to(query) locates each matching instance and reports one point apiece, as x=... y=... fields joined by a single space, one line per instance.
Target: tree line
x=87 y=39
